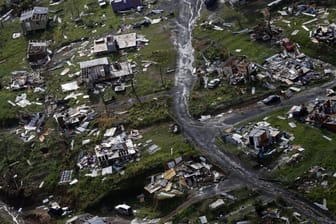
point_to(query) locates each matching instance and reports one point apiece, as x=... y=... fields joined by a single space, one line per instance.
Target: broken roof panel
x=169 y=174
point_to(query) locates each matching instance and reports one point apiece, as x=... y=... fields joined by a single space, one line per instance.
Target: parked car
x=213 y=83
x=272 y=99
x=124 y=209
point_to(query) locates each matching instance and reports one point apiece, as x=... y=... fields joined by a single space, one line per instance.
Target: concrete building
x=34 y=19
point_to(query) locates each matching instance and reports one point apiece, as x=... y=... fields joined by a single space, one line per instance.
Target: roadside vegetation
x=318 y=152
x=248 y=205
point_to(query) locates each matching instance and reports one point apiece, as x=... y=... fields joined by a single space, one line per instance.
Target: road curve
x=203 y=135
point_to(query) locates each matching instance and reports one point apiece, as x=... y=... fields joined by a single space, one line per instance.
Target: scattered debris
x=183 y=174
x=326 y=34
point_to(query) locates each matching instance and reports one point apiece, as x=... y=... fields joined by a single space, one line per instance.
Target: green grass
x=220 y=45
x=223 y=97
x=227 y=42
x=302 y=38
x=244 y=197
x=13 y=51
x=318 y=152
x=149 y=113
x=132 y=182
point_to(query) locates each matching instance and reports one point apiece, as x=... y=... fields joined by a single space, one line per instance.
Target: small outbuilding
x=34 y=19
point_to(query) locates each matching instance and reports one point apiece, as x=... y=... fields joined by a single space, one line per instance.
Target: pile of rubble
x=32 y=126
x=300 y=8
x=315 y=176
x=75 y=120
x=23 y=79
x=38 y=53
x=265 y=32
x=326 y=34
x=236 y=69
x=320 y=113
x=261 y=139
x=116 y=149
x=291 y=69
x=181 y=175
x=53 y=207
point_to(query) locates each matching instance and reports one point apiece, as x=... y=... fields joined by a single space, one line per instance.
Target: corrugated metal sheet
x=122 y=5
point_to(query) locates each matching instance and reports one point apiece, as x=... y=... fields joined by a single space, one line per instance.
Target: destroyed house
x=324 y=114
x=184 y=175
x=23 y=79
x=96 y=70
x=326 y=34
x=34 y=19
x=37 y=53
x=75 y=118
x=236 y=68
x=116 y=150
x=105 y=45
x=124 y=5
x=260 y=137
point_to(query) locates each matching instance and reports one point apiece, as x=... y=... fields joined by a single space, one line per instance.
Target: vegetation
x=318 y=151
x=37 y=162
x=219 y=45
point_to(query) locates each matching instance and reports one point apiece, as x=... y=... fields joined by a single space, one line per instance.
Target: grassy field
x=219 y=45
x=317 y=152
x=96 y=22
x=250 y=203
x=49 y=158
x=117 y=188
x=302 y=38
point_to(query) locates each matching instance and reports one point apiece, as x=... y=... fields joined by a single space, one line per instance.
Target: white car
x=213 y=83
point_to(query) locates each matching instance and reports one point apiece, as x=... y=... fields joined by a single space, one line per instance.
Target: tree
x=161 y=58
x=268 y=17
